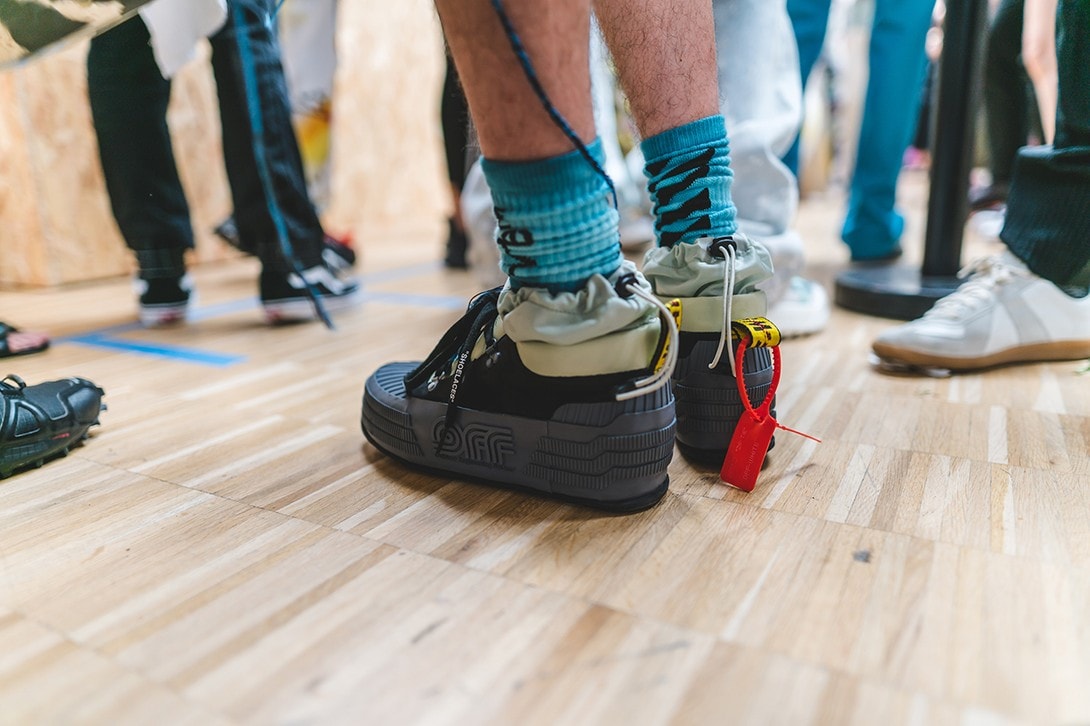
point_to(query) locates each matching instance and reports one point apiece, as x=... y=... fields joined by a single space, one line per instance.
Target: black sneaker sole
x=163 y=315
x=35 y=454
x=611 y=456
x=708 y=403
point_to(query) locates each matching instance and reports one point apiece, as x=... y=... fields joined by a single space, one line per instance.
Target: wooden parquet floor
x=228 y=549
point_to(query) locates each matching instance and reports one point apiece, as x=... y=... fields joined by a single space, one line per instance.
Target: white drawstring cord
x=661 y=377
x=728 y=302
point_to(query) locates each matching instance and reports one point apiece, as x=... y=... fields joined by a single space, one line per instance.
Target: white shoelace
x=728 y=302
x=662 y=376
x=985 y=276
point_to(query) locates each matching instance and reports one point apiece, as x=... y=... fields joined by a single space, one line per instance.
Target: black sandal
x=5 y=349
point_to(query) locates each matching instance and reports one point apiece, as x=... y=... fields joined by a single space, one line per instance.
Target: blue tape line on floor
x=158 y=350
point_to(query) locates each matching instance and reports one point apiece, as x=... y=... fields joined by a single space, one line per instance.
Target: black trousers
x=129 y=101
x=1048 y=210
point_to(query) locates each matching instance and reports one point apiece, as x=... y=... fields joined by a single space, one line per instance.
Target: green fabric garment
x=29 y=26
x=33 y=25
x=1048 y=211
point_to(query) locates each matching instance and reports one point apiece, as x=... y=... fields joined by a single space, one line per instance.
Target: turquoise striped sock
x=689 y=177
x=557 y=222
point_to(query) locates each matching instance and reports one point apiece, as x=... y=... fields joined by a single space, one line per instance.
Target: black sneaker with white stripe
x=284 y=293
x=164 y=301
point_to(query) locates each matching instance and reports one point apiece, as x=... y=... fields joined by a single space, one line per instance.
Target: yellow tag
x=674 y=306
x=762 y=332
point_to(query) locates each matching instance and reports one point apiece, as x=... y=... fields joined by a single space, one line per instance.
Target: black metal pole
x=957 y=98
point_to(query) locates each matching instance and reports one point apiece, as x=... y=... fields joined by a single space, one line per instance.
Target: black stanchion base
x=894 y=292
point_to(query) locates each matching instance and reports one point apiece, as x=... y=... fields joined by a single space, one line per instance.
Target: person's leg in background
x=1031 y=303
x=625 y=170
x=1039 y=59
x=898 y=61
x=763 y=107
x=308 y=40
x=274 y=185
x=1006 y=102
x=809 y=20
x=552 y=383
x=665 y=55
x=454 y=115
x=307 y=34
x=129 y=100
x=918 y=153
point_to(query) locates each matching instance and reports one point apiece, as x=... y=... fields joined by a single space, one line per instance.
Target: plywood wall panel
x=79 y=235
x=388 y=173
x=22 y=252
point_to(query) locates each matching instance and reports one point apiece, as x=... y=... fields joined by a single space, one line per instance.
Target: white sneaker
x=1003 y=314
x=803 y=309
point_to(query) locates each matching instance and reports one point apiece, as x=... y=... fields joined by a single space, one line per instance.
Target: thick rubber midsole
x=14 y=457
x=624 y=459
x=708 y=402
x=1053 y=350
x=153 y=315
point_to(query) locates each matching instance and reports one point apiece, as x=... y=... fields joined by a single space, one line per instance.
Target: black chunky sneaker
x=476 y=410
x=284 y=294
x=705 y=388
x=164 y=300
x=44 y=421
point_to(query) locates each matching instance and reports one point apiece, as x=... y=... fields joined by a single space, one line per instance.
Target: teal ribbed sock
x=557 y=223
x=689 y=177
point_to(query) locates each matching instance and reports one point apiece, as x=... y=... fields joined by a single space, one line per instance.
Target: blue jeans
x=128 y=104
x=898 y=63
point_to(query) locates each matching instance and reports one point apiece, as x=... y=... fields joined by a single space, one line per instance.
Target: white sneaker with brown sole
x=1002 y=314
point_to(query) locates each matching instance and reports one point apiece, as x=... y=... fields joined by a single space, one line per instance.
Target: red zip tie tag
x=753 y=434
x=748 y=447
